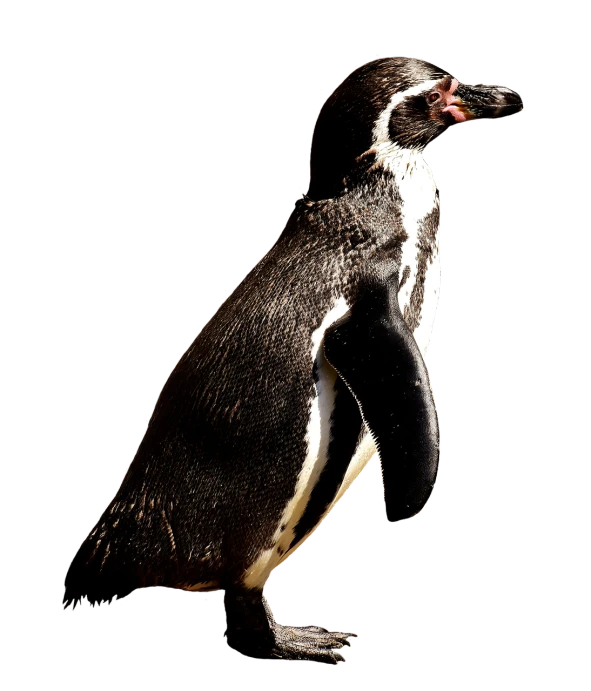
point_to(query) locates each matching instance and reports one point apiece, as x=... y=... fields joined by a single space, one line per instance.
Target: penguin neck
x=398 y=161
x=390 y=189
x=384 y=165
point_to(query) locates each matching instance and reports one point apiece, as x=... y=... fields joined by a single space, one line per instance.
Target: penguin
x=313 y=364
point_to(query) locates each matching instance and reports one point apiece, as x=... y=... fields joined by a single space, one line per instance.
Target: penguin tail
x=94 y=575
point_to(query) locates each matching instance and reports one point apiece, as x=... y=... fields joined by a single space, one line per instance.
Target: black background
x=152 y=202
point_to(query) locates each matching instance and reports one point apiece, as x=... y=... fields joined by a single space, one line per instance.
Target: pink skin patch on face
x=453 y=105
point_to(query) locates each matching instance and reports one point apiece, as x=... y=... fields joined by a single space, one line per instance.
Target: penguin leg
x=253 y=631
x=249 y=630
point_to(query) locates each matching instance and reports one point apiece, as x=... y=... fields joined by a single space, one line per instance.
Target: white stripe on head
x=383 y=146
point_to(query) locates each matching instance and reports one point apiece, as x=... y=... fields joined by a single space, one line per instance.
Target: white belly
x=258 y=574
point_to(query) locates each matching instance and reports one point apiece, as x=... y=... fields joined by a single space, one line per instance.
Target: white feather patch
x=422 y=334
x=365 y=450
x=418 y=194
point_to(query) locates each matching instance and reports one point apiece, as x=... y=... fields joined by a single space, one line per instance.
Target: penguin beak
x=471 y=102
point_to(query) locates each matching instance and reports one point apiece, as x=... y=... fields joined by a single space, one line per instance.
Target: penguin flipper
x=374 y=352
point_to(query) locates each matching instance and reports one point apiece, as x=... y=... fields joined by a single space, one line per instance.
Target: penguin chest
x=419 y=270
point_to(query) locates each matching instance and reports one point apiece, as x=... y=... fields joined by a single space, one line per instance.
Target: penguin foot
x=253 y=631
x=307 y=643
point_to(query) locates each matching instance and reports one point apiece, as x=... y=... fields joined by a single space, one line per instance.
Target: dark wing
x=374 y=352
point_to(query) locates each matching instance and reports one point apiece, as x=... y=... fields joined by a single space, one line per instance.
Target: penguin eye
x=433 y=97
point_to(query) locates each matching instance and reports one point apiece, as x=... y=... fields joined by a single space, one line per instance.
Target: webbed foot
x=308 y=643
x=253 y=631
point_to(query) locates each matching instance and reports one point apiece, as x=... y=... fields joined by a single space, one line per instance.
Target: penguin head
x=389 y=106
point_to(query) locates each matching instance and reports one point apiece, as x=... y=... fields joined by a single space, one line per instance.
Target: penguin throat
x=397 y=160
x=386 y=165
x=403 y=170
